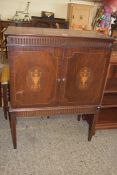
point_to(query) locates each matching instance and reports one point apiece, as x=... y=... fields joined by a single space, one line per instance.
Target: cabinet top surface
x=81 y=5
x=32 y=31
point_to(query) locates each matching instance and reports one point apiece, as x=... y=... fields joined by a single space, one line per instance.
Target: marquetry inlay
x=33 y=79
x=85 y=77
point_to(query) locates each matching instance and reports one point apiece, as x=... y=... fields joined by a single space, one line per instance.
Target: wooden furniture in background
x=0 y=90
x=4 y=89
x=56 y=71
x=49 y=23
x=3 y=48
x=108 y=114
x=36 y=22
x=80 y=16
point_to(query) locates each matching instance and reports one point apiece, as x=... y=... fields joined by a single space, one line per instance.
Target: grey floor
x=56 y=146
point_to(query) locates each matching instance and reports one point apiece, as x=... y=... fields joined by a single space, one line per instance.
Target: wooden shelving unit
x=108 y=113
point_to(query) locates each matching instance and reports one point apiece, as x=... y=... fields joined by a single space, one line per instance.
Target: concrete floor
x=56 y=146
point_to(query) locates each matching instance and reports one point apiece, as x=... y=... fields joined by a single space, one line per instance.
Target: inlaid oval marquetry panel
x=33 y=79
x=84 y=78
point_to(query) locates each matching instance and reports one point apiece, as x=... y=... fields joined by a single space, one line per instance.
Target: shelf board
x=113 y=63
x=110 y=92
x=108 y=106
x=106 y=125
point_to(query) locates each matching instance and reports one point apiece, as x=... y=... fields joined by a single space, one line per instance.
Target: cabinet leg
x=12 y=120
x=9 y=114
x=5 y=99
x=79 y=117
x=92 y=126
x=5 y=113
x=84 y=117
x=94 y=132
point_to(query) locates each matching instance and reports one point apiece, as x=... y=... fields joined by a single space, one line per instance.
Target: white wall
x=59 y=7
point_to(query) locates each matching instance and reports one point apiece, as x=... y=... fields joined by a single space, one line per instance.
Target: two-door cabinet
x=56 y=71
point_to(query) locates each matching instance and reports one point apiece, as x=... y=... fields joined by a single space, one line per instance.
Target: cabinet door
x=34 y=77
x=81 y=16
x=83 y=77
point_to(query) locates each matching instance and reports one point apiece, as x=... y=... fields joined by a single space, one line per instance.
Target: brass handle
x=59 y=79
x=81 y=17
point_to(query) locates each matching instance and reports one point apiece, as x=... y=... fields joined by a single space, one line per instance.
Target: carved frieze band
x=58 y=42
x=54 y=111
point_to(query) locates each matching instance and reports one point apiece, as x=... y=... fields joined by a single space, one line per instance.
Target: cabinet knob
x=58 y=79
x=63 y=79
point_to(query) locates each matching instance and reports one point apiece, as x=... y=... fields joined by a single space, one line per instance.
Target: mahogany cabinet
x=56 y=71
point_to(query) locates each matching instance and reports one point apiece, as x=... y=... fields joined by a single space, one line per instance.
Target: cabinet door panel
x=34 y=75
x=84 y=77
x=80 y=16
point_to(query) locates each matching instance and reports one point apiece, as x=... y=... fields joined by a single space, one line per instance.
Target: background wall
x=59 y=7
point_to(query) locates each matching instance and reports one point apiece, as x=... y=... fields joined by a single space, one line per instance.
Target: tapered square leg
x=79 y=117
x=92 y=125
x=5 y=99
x=12 y=120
